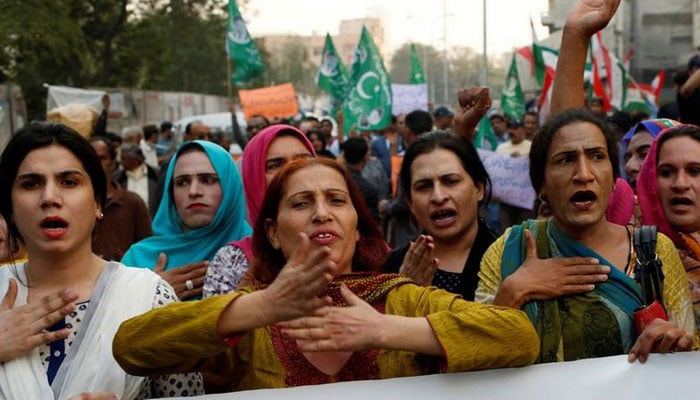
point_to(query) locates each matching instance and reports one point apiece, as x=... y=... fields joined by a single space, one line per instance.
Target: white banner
x=406 y=98
x=510 y=178
x=60 y=96
x=670 y=376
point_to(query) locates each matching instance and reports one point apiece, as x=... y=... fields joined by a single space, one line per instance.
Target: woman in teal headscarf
x=203 y=208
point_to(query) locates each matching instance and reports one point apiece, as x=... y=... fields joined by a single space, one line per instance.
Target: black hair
x=111 y=148
x=419 y=122
x=545 y=135
x=354 y=150
x=321 y=136
x=149 y=131
x=37 y=135
x=690 y=131
x=463 y=149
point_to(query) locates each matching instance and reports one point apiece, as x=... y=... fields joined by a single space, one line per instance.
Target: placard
x=510 y=178
x=407 y=98
x=271 y=102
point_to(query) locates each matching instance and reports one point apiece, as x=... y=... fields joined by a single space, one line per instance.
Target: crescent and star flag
x=368 y=105
x=240 y=48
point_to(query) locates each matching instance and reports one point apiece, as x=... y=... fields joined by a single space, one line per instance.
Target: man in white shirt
x=148 y=146
x=137 y=176
x=517 y=146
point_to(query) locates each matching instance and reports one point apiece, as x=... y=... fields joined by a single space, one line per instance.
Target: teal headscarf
x=199 y=244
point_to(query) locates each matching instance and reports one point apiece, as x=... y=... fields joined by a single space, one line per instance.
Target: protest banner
x=407 y=98
x=663 y=376
x=271 y=102
x=510 y=178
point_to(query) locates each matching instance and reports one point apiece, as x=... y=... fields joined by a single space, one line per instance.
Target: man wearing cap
x=517 y=146
x=688 y=96
x=443 y=118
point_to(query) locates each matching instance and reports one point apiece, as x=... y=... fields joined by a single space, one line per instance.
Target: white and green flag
x=368 y=104
x=332 y=76
x=240 y=48
x=417 y=76
x=512 y=98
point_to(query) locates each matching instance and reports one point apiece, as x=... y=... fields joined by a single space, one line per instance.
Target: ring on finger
x=189 y=284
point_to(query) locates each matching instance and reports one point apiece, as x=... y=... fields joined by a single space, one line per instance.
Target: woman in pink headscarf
x=668 y=188
x=265 y=154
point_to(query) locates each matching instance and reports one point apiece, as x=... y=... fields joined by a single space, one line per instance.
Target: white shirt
x=149 y=151
x=522 y=148
x=137 y=182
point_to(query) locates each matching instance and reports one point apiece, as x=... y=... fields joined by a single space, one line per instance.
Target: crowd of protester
x=315 y=257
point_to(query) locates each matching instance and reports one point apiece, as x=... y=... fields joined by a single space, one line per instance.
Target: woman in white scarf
x=63 y=306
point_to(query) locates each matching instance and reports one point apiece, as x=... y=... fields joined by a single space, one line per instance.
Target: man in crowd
x=136 y=176
x=443 y=118
x=356 y=154
x=688 y=96
x=402 y=230
x=255 y=124
x=148 y=146
x=531 y=122
x=125 y=216
x=517 y=146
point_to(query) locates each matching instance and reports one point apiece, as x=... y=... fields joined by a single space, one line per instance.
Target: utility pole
x=444 y=50
x=485 y=60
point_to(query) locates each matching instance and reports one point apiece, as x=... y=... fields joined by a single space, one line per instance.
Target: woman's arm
x=426 y=321
x=179 y=337
x=585 y=19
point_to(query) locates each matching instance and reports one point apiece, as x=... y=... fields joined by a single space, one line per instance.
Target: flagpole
x=237 y=135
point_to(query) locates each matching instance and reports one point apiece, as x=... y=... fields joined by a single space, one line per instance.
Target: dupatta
x=595 y=324
x=253 y=170
x=198 y=244
x=120 y=293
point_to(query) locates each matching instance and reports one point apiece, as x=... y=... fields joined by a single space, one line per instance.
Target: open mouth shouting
x=583 y=200
x=53 y=227
x=443 y=218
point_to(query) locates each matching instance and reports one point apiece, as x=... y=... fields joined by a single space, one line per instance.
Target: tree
x=464 y=69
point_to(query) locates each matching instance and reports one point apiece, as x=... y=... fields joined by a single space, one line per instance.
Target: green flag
x=485 y=137
x=332 y=76
x=368 y=104
x=245 y=56
x=512 y=98
x=417 y=75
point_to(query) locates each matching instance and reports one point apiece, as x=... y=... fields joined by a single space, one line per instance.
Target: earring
x=542 y=198
x=100 y=216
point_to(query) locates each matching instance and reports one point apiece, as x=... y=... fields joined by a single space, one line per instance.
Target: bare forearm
x=691 y=84
x=567 y=91
x=247 y=312
x=409 y=334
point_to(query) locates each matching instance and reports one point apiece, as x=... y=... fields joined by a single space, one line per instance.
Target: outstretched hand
x=296 y=289
x=474 y=102
x=332 y=328
x=177 y=277
x=590 y=16
x=660 y=337
x=419 y=263
x=543 y=279
x=24 y=328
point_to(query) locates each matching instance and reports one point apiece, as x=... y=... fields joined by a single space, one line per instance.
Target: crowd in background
x=317 y=255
